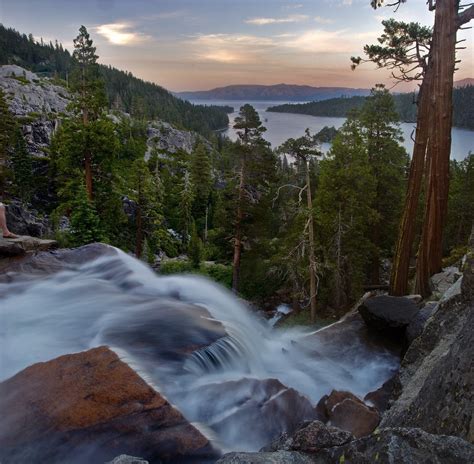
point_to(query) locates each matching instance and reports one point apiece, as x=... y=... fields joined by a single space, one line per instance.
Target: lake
x=282 y=126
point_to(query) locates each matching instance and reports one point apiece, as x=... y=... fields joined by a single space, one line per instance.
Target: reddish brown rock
x=90 y=407
x=355 y=417
x=380 y=397
x=346 y=411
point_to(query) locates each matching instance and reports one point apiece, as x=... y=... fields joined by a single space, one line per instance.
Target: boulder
x=388 y=314
x=91 y=407
x=355 y=417
x=310 y=437
x=280 y=457
x=346 y=411
x=400 y=445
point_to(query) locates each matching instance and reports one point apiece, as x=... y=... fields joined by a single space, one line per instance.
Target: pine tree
x=304 y=149
x=7 y=129
x=85 y=223
x=250 y=130
x=22 y=168
x=90 y=94
x=201 y=178
x=195 y=248
x=186 y=205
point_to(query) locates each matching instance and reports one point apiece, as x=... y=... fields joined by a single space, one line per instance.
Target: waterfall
x=190 y=337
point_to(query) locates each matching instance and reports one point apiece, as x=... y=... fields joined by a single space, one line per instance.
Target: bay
x=282 y=126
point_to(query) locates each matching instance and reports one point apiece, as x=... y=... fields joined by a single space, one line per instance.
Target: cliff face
x=38 y=102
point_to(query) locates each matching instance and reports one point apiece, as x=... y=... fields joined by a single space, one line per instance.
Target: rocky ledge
x=91 y=407
x=10 y=247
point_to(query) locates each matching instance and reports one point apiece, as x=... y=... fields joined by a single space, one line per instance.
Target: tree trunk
x=430 y=251
x=238 y=230
x=312 y=254
x=406 y=235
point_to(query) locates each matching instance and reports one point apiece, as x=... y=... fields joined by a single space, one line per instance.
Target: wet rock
x=310 y=437
x=380 y=398
x=400 y=445
x=389 y=314
x=91 y=407
x=267 y=407
x=280 y=457
x=49 y=262
x=125 y=459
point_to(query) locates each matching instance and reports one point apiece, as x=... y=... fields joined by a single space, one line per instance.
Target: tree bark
x=312 y=254
x=430 y=251
x=406 y=235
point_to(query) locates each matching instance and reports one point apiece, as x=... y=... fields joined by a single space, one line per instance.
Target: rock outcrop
x=91 y=407
x=279 y=457
x=163 y=137
x=37 y=101
x=437 y=374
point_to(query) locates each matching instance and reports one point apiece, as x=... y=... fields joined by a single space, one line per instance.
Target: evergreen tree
x=201 y=178
x=90 y=94
x=22 y=168
x=186 y=205
x=148 y=216
x=85 y=223
x=7 y=129
x=195 y=248
x=345 y=214
x=250 y=130
x=304 y=149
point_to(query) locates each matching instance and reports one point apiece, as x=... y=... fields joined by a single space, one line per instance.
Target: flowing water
x=192 y=339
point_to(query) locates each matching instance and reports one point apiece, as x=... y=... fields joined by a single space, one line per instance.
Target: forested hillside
x=463 y=102
x=124 y=91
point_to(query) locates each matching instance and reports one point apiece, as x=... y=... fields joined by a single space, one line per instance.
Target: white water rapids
x=159 y=326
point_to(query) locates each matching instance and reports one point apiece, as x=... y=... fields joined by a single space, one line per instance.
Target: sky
x=202 y=44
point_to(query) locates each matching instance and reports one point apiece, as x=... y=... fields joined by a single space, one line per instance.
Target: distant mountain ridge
x=287 y=92
x=464 y=82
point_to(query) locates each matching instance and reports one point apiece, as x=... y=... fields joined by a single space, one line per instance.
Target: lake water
x=282 y=126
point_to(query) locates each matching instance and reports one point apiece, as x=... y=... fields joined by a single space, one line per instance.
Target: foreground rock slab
x=91 y=407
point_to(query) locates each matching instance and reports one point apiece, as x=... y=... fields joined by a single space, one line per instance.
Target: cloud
x=288 y=19
x=120 y=34
x=321 y=20
x=230 y=48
